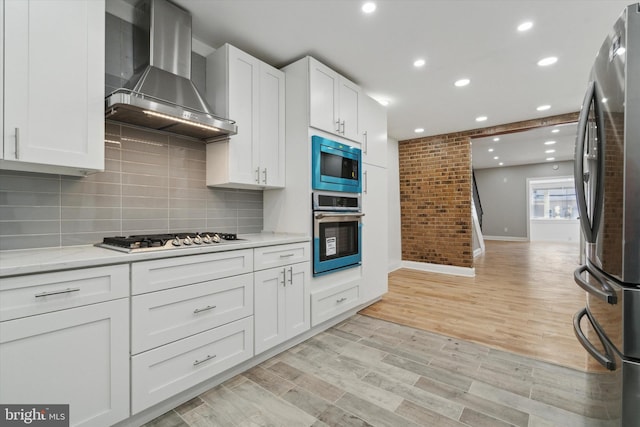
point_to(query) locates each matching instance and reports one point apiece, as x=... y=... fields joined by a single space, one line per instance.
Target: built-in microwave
x=335 y=166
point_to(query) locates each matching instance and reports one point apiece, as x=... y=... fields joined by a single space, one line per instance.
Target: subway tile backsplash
x=152 y=183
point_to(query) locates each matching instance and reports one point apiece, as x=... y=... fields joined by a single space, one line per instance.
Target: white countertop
x=28 y=261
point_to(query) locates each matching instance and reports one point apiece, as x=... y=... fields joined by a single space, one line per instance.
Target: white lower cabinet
x=172 y=314
x=334 y=300
x=78 y=356
x=163 y=372
x=282 y=308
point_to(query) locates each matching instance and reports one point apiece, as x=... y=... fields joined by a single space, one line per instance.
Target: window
x=553 y=199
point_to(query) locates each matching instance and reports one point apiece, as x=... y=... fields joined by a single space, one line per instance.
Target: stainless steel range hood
x=164 y=97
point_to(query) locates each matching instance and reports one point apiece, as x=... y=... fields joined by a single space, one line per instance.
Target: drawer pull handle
x=197 y=362
x=199 y=310
x=341 y=300
x=64 y=291
x=286 y=255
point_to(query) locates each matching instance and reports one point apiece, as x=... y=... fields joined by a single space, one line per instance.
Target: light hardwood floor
x=522 y=300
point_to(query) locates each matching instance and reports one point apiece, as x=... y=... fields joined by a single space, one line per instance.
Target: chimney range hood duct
x=164 y=97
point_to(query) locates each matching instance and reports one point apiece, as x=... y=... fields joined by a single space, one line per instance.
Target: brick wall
x=435 y=192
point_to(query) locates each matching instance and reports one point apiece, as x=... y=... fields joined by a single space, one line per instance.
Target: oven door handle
x=606 y=294
x=607 y=360
x=320 y=215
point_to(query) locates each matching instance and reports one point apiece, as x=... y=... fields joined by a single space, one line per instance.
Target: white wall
x=393 y=174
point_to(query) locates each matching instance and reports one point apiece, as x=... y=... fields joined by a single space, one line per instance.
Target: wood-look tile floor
x=370 y=372
x=522 y=300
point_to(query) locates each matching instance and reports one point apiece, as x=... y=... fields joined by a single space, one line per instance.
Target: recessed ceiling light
x=369 y=7
x=544 y=62
x=549 y=159
x=418 y=130
x=462 y=82
x=525 y=26
x=481 y=118
x=495 y=157
x=496 y=139
x=550 y=151
x=500 y=164
x=419 y=63
x=543 y=107
x=604 y=100
x=549 y=143
x=490 y=150
x=555 y=131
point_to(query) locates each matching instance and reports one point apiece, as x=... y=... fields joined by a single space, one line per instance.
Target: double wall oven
x=337 y=209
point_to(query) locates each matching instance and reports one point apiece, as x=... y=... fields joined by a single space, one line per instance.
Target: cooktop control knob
x=197 y=240
x=187 y=241
x=206 y=239
x=216 y=238
x=176 y=242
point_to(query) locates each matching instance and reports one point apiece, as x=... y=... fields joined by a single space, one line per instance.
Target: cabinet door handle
x=258 y=175
x=286 y=255
x=338 y=125
x=291 y=275
x=342 y=125
x=284 y=277
x=264 y=172
x=197 y=362
x=207 y=308
x=17 y=143
x=366 y=141
x=366 y=182
x=341 y=300
x=63 y=291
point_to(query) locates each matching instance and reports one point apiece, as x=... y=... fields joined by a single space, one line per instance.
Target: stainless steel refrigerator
x=607 y=177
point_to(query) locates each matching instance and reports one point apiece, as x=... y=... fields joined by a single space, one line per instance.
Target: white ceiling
x=525 y=147
x=476 y=39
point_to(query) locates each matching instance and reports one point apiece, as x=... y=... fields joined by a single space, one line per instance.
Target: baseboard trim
x=507 y=238
x=477 y=252
x=439 y=268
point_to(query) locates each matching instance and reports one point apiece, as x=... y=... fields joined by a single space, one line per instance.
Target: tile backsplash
x=152 y=183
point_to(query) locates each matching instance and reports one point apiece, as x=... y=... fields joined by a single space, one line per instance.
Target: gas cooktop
x=154 y=242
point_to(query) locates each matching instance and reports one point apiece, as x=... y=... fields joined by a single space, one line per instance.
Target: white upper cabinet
x=250 y=92
x=54 y=86
x=373 y=125
x=334 y=102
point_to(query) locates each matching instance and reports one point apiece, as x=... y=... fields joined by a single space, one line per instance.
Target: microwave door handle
x=321 y=215
x=607 y=360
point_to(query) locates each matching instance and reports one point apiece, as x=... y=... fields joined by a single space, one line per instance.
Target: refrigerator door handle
x=607 y=293
x=607 y=360
x=589 y=225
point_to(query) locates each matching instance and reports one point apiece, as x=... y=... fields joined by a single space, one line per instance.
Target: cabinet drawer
x=149 y=276
x=172 y=314
x=279 y=255
x=333 y=301
x=22 y=296
x=165 y=371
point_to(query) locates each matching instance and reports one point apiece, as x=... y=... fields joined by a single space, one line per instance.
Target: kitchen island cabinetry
x=251 y=92
x=54 y=86
x=334 y=102
x=67 y=342
x=282 y=308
